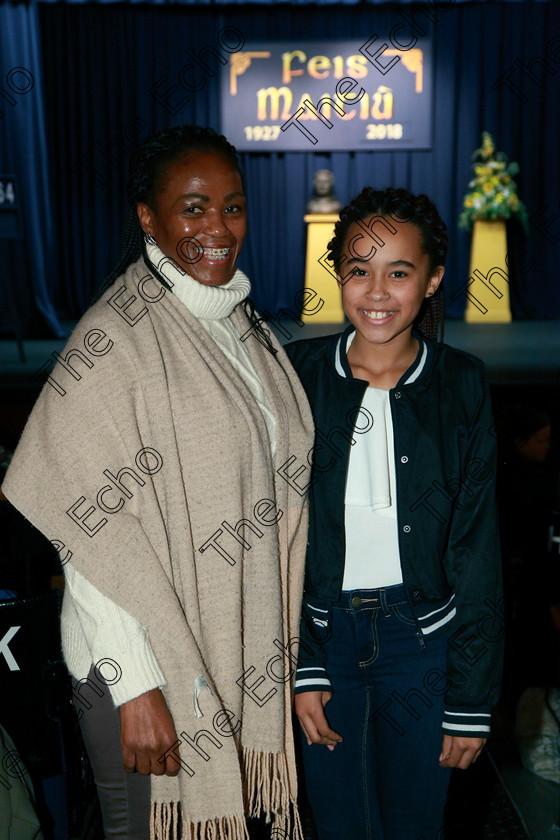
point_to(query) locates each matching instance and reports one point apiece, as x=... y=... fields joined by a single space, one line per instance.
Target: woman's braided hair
x=146 y=179
x=402 y=206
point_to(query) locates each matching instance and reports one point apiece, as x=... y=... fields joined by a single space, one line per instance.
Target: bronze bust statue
x=323 y=200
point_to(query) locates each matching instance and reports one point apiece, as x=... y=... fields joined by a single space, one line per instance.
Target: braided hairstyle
x=146 y=179
x=402 y=206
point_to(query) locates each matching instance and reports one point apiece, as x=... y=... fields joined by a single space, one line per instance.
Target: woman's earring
x=150 y=239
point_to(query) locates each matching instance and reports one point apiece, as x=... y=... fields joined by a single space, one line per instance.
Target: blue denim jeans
x=383 y=782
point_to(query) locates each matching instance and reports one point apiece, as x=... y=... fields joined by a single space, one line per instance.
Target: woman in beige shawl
x=166 y=459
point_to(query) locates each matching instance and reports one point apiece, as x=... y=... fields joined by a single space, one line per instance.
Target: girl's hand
x=147 y=732
x=458 y=751
x=309 y=708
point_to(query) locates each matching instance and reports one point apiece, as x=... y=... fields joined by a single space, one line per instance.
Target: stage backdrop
x=293 y=95
x=108 y=75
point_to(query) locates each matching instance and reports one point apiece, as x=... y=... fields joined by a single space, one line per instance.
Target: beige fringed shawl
x=150 y=467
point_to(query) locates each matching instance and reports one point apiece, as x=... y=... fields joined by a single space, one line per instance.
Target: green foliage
x=493 y=192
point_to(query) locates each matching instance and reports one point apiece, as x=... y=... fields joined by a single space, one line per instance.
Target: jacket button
x=397 y=395
x=404 y=459
x=416 y=594
x=407 y=529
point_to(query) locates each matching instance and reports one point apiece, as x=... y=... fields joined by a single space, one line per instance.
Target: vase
x=488 y=287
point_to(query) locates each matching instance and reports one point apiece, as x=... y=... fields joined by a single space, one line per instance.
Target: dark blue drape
x=101 y=63
x=26 y=283
x=440 y=3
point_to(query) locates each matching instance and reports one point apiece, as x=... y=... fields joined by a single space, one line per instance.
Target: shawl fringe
x=267 y=794
x=166 y=824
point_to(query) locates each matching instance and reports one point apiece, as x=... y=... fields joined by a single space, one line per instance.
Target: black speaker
x=34 y=679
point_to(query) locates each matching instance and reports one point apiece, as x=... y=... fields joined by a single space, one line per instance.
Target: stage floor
x=522 y=352
x=525 y=352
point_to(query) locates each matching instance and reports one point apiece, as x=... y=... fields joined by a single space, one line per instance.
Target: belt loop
x=383 y=596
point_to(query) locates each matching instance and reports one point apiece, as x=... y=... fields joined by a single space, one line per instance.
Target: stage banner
x=329 y=95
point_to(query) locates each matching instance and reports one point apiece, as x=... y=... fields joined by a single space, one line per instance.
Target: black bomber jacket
x=445 y=462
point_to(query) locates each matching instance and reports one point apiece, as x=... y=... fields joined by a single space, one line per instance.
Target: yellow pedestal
x=318 y=277
x=488 y=289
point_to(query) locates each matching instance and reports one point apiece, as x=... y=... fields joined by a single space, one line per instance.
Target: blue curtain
x=102 y=62
x=290 y=2
x=26 y=284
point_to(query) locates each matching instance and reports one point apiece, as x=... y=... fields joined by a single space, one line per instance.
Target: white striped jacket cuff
x=466 y=722
x=312 y=678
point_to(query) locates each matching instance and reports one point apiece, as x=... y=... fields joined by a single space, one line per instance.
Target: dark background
x=68 y=140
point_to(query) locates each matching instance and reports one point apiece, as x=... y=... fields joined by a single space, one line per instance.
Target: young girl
x=400 y=653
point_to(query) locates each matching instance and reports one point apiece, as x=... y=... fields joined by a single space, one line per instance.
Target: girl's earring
x=149 y=239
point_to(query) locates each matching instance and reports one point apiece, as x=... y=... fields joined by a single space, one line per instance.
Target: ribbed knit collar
x=212 y=302
x=345 y=339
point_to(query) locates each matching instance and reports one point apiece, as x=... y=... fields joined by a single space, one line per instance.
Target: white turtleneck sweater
x=93 y=627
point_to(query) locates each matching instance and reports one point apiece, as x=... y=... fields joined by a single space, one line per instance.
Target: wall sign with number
x=350 y=95
x=10 y=219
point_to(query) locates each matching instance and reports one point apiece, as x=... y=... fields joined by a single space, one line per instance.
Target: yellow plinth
x=488 y=289
x=318 y=276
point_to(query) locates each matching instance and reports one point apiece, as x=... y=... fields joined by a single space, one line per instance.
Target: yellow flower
x=492 y=191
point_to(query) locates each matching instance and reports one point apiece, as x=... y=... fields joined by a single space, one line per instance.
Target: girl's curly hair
x=401 y=206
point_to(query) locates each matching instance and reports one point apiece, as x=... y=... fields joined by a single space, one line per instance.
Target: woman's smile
x=217 y=255
x=199 y=218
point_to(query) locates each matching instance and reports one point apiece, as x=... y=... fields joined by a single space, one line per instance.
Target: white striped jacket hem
x=437 y=618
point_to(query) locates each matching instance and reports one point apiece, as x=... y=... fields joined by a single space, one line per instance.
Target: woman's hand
x=147 y=732
x=309 y=708
x=461 y=752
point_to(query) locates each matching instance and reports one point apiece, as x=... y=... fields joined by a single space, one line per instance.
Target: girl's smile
x=378 y=315
x=383 y=294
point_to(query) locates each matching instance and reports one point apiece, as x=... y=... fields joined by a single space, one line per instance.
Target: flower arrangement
x=493 y=192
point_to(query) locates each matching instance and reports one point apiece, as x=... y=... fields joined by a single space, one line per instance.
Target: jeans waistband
x=371 y=598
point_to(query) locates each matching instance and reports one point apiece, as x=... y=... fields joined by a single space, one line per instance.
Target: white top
x=213 y=305
x=93 y=627
x=372 y=558
x=370 y=511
